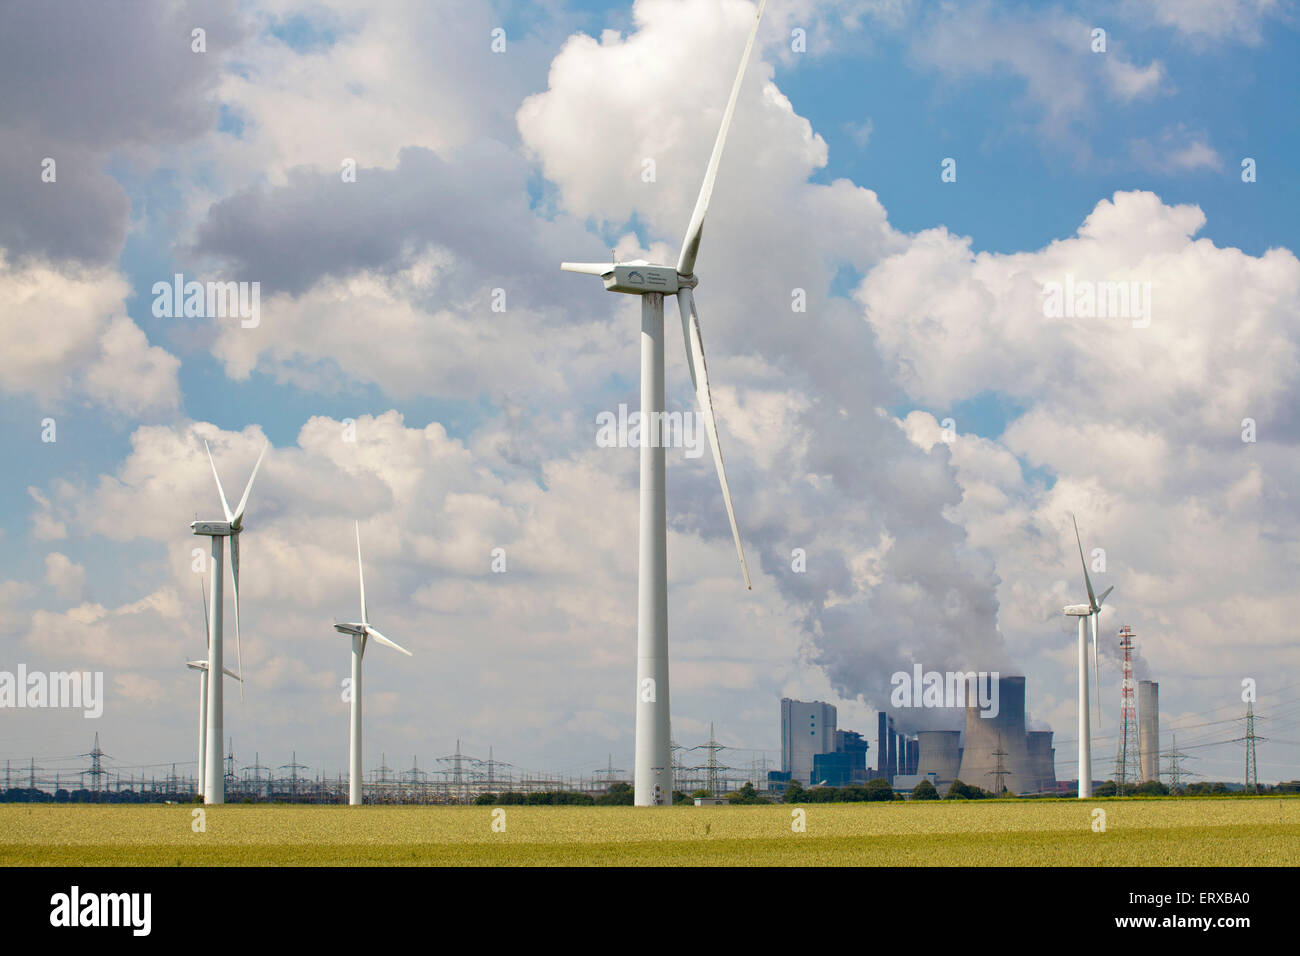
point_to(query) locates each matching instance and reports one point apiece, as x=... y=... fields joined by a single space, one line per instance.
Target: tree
x=879 y=789
x=794 y=792
x=1151 y=788
x=485 y=799
x=925 y=791
x=745 y=795
x=618 y=795
x=1106 y=789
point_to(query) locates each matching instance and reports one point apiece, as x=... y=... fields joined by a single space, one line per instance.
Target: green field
x=1256 y=831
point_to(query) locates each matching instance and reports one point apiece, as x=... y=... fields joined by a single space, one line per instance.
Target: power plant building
x=807 y=729
x=814 y=751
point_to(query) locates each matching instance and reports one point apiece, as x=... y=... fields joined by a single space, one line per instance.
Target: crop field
x=1138 y=832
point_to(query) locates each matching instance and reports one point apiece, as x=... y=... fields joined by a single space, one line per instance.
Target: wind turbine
x=359 y=631
x=653 y=766
x=1090 y=611
x=202 y=668
x=214 y=778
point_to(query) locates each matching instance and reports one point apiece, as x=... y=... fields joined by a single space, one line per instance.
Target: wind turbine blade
x=234 y=573
x=1101 y=598
x=691 y=244
x=229 y=673
x=243 y=502
x=361 y=573
x=221 y=491
x=588 y=268
x=370 y=631
x=1092 y=600
x=700 y=379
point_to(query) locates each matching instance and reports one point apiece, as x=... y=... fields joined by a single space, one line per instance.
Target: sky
x=907 y=424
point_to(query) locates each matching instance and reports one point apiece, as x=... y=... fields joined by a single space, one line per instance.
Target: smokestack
x=1042 y=760
x=1006 y=731
x=937 y=753
x=1149 y=729
x=882 y=745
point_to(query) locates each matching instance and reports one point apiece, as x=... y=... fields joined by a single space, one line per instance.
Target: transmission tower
x=1126 y=757
x=999 y=771
x=1176 y=771
x=458 y=761
x=712 y=768
x=487 y=770
x=293 y=767
x=96 y=771
x=230 y=762
x=1252 y=771
x=257 y=769
x=419 y=780
x=609 y=771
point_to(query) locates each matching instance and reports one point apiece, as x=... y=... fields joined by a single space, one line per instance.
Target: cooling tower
x=938 y=754
x=1042 y=760
x=1149 y=729
x=1006 y=732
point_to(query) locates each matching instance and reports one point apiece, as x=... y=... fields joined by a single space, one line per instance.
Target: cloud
x=1051 y=53
x=1139 y=429
x=1177 y=150
x=64 y=576
x=66 y=336
x=89 y=81
x=1202 y=22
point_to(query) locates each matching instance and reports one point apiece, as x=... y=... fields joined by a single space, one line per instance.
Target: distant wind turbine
x=653 y=767
x=214 y=789
x=1090 y=611
x=202 y=668
x=359 y=632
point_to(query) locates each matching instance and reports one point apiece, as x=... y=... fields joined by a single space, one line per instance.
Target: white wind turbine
x=202 y=668
x=653 y=767
x=359 y=631
x=214 y=779
x=1090 y=611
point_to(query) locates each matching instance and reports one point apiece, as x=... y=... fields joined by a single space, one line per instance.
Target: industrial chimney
x=1149 y=729
x=1042 y=760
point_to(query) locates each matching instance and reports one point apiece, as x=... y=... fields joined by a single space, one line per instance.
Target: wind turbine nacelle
x=356 y=630
x=211 y=527
x=1078 y=610
x=640 y=278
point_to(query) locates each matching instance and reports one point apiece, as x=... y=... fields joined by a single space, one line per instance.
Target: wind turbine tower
x=213 y=775
x=653 y=768
x=360 y=632
x=1085 y=612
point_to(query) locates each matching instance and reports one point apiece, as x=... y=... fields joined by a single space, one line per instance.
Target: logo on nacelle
x=635 y=276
